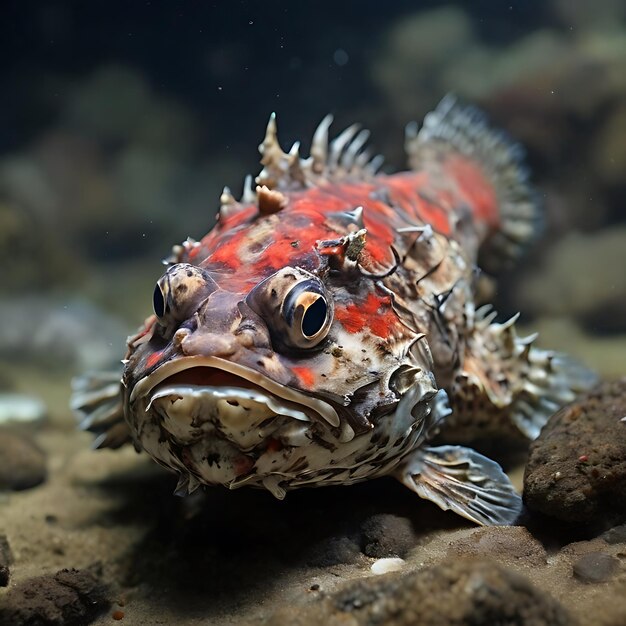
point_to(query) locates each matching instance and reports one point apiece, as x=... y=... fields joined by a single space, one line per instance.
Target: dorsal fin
x=454 y=128
x=341 y=158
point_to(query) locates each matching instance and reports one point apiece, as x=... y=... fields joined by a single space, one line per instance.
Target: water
x=122 y=122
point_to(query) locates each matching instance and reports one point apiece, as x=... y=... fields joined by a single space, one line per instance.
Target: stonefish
x=329 y=325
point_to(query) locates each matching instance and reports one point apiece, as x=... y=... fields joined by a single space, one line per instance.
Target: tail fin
x=97 y=403
x=509 y=205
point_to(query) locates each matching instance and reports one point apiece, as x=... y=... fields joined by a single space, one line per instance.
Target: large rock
x=456 y=592
x=576 y=471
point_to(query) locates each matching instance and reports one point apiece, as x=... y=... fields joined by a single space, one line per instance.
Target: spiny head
x=275 y=352
x=242 y=376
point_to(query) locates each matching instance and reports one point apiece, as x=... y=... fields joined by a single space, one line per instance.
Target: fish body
x=327 y=327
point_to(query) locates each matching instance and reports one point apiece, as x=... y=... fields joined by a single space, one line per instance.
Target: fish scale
x=326 y=329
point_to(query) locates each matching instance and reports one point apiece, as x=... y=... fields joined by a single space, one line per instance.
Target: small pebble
x=118 y=615
x=387 y=535
x=384 y=566
x=617 y=534
x=22 y=463
x=595 y=567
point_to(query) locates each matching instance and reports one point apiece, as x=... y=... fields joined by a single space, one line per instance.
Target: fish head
x=301 y=375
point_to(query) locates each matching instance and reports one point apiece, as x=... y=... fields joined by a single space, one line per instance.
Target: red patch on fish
x=374 y=314
x=153 y=359
x=305 y=375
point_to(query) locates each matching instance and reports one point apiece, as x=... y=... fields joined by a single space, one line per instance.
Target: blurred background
x=122 y=121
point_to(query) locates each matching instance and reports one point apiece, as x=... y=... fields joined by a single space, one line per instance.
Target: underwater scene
x=254 y=373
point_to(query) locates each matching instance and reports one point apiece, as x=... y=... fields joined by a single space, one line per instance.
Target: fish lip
x=146 y=385
x=228 y=393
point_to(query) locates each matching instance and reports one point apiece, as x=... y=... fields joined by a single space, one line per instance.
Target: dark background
x=227 y=60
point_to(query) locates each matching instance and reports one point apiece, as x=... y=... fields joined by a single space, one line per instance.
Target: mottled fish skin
x=314 y=335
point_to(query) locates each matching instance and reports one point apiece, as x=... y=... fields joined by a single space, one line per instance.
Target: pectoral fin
x=459 y=479
x=97 y=403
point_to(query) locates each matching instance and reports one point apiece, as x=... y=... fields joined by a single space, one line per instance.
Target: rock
x=595 y=567
x=22 y=463
x=69 y=597
x=387 y=535
x=6 y=559
x=576 y=470
x=21 y=410
x=507 y=544
x=617 y=534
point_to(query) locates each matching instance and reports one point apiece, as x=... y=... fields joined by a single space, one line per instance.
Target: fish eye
x=314 y=317
x=296 y=307
x=158 y=301
x=179 y=292
x=307 y=314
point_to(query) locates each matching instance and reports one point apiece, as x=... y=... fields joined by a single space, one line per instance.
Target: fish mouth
x=236 y=392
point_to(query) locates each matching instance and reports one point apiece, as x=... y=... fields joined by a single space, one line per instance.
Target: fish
x=330 y=325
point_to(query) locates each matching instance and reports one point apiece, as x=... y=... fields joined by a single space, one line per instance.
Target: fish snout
x=210 y=344
x=226 y=327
